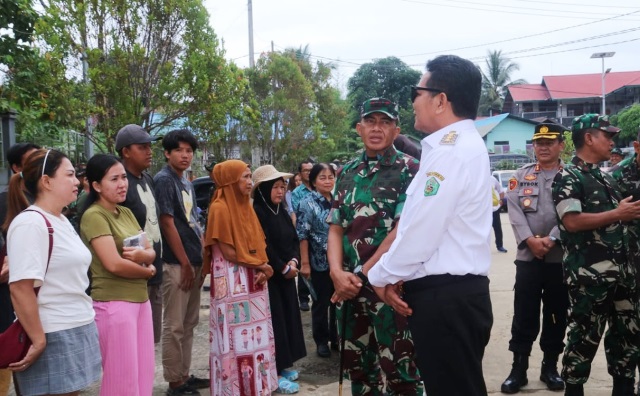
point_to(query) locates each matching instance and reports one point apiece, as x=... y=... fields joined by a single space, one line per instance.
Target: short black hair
x=315 y=171
x=172 y=140
x=304 y=162
x=460 y=80
x=15 y=152
x=578 y=136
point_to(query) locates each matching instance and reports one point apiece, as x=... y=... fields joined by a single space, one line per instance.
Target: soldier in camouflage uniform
x=627 y=174
x=369 y=196
x=602 y=289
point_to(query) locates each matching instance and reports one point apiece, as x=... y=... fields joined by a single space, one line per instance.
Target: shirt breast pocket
x=528 y=197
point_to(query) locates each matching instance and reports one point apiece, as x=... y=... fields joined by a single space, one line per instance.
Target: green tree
x=153 y=63
x=628 y=120
x=390 y=78
x=496 y=77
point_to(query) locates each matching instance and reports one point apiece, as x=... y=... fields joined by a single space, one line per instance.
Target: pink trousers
x=125 y=330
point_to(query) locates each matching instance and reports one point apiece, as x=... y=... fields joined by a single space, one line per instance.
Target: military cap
x=617 y=151
x=379 y=105
x=548 y=130
x=593 y=121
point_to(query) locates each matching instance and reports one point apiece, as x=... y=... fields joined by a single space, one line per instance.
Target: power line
x=500 y=11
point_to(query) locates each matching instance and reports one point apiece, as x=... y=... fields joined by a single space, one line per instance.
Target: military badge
x=544 y=129
x=431 y=187
x=528 y=191
x=449 y=138
x=526 y=203
x=513 y=183
x=530 y=177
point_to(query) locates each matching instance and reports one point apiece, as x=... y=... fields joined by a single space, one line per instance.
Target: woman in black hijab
x=283 y=251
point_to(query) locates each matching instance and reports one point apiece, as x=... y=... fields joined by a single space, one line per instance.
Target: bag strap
x=50 y=231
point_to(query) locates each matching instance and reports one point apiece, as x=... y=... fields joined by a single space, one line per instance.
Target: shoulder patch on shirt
x=513 y=183
x=431 y=187
x=449 y=138
x=435 y=174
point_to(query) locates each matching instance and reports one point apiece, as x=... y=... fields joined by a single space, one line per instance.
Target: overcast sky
x=544 y=37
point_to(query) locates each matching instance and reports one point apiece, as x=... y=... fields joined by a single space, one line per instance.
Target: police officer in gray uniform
x=538 y=262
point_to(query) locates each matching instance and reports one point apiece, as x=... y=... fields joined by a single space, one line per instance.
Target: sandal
x=287 y=387
x=290 y=375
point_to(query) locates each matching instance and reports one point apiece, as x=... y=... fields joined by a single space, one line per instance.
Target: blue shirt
x=312 y=226
x=296 y=197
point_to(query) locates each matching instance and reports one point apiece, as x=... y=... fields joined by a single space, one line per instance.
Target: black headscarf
x=282 y=239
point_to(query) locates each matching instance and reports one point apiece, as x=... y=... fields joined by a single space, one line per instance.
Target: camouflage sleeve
x=408 y=173
x=618 y=175
x=567 y=193
x=334 y=216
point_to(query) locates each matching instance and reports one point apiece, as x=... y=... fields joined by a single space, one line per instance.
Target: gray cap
x=133 y=134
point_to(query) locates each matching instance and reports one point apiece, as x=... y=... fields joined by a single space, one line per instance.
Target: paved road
x=319 y=376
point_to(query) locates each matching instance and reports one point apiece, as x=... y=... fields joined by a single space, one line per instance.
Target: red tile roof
x=573 y=86
x=528 y=92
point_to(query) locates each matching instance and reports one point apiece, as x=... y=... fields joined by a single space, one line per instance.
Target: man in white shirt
x=497 y=196
x=441 y=255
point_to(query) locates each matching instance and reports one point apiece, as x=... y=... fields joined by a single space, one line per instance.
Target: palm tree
x=495 y=79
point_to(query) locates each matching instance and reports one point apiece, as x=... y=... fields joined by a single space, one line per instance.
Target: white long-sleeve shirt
x=445 y=226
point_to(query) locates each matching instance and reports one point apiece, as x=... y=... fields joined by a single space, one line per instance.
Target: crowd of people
x=390 y=252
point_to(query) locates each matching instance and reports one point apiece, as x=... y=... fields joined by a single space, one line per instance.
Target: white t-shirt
x=62 y=301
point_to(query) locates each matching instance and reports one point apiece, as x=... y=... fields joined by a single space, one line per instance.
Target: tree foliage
x=390 y=78
x=628 y=120
x=151 y=63
x=496 y=77
x=296 y=112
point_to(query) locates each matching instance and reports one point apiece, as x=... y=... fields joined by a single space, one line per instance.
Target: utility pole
x=252 y=62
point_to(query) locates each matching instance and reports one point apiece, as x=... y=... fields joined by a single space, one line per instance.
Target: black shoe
x=304 y=306
x=183 y=389
x=198 y=383
x=502 y=250
x=323 y=351
x=549 y=375
x=518 y=376
x=622 y=386
x=573 y=389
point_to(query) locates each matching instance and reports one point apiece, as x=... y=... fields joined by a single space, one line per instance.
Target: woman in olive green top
x=119 y=281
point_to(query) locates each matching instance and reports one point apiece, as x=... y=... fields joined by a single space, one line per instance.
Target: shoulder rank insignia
x=431 y=187
x=513 y=183
x=531 y=177
x=449 y=138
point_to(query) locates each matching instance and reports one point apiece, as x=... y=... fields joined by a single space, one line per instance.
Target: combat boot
x=573 y=389
x=549 y=372
x=622 y=386
x=518 y=376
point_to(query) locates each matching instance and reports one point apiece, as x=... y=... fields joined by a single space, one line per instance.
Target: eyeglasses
x=415 y=89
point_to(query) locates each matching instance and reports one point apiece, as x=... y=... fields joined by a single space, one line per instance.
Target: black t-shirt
x=142 y=202
x=175 y=197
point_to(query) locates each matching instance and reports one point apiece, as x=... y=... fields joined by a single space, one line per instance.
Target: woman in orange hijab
x=240 y=327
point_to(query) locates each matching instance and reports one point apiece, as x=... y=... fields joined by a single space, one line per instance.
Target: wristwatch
x=358 y=272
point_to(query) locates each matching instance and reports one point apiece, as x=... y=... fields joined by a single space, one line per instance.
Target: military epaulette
x=450 y=138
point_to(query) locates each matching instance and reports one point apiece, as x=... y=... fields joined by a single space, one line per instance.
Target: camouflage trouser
x=591 y=307
x=377 y=339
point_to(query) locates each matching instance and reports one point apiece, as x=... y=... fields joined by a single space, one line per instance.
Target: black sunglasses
x=415 y=89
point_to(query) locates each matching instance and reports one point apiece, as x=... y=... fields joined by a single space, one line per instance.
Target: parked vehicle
x=503 y=177
x=204 y=188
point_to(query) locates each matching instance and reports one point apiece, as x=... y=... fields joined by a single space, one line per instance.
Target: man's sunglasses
x=415 y=89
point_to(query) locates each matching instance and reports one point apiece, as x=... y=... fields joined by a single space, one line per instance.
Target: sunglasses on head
x=415 y=89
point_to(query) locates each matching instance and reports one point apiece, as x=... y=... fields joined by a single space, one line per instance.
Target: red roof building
x=564 y=97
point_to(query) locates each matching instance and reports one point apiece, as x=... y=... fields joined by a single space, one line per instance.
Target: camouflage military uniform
x=368 y=200
x=627 y=174
x=601 y=281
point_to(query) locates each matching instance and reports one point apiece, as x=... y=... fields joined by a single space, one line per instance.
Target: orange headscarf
x=232 y=220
